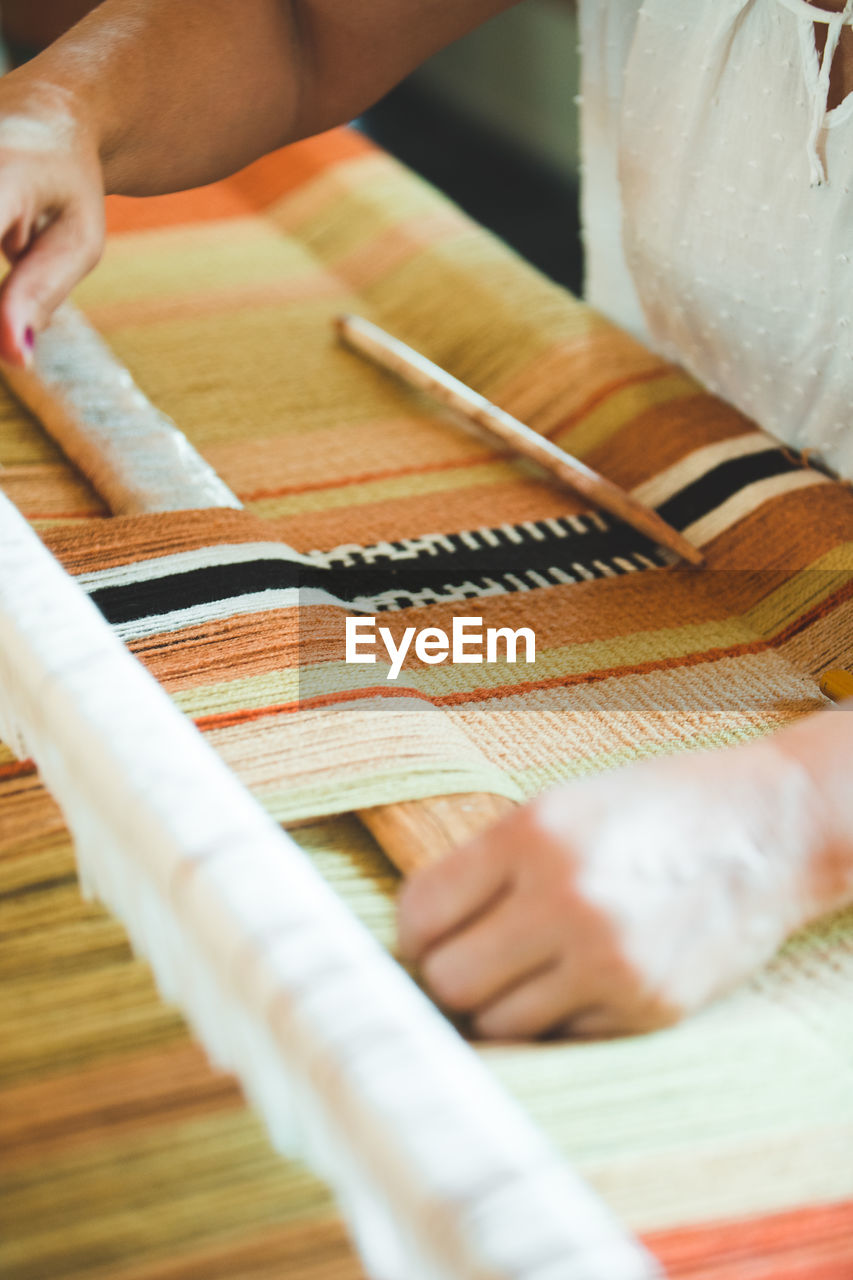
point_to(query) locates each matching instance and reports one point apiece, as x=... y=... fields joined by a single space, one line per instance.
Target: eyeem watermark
x=469 y=641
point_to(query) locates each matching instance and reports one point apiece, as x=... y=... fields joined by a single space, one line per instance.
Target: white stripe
x=533 y=531
x=511 y=533
x=344 y=554
x=185 y=561
x=214 y=611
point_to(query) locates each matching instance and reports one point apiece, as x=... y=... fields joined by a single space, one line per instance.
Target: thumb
x=43 y=276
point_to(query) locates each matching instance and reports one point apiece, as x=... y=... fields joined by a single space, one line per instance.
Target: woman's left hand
x=621 y=903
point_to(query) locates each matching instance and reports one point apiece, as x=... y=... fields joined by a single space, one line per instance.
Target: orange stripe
x=368 y=477
x=228 y=719
x=71 y=1110
x=251 y=190
x=801 y=1244
x=746 y=649
x=603 y=393
x=17 y=769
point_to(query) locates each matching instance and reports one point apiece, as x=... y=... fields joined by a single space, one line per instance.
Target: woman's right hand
x=51 y=206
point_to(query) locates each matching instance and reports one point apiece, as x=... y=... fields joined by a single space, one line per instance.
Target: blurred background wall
x=518 y=76
x=31 y=24
x=491 y=120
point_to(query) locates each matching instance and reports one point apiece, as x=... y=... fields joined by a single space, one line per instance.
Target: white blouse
x=718 y=202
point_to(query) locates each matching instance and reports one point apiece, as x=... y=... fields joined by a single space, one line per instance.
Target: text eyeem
x=468 y=641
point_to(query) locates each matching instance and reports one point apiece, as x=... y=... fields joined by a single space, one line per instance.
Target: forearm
x=174 y=95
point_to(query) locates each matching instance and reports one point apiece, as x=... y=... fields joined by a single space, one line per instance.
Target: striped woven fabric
x=725 y=1142
x=249 y=638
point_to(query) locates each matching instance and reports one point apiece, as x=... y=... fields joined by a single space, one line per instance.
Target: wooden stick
x=134 y=457
x=415 y=370
x=837 y=685
x=416 y=832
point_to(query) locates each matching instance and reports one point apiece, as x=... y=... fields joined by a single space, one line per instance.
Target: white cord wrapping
x=132 y=454
x=439 y=1173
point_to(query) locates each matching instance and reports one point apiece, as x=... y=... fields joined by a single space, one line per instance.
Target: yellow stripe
x=387 y=490
x=618 y=410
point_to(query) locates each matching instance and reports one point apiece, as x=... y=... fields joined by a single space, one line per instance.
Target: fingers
x=536 y=1005
x=15 y=240
x=42 y=276
x=596 y=1023
x=442 y=897
x=502 y=947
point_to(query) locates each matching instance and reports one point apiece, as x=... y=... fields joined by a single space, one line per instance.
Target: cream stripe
x=771 y=1173
x=698 y=463
x=347 y=179
x=124 y=575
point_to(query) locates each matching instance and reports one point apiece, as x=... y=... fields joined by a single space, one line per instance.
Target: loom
x=450 y=1176
x=350 y=1068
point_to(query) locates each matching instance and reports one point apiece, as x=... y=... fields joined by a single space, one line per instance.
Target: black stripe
x=430 y=567
x=136 y=600
x=714 y=488
x=439 y=571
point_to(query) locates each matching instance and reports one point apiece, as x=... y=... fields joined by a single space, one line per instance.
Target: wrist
x=821 y=747
x=70 y=102
x=41 y=113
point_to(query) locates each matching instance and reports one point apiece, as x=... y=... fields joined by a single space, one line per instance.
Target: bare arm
x=146 y=96
x=180 y=94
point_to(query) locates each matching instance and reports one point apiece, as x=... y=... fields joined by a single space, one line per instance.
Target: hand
x=51 y=207
x=621 y=903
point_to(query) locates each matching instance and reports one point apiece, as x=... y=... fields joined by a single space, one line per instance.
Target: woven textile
x=249 y=641
x=220 y=302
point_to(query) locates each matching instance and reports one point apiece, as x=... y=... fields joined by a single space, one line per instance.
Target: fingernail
x=28 y=346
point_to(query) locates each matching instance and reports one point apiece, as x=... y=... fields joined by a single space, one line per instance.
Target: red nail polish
x=29 y=338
